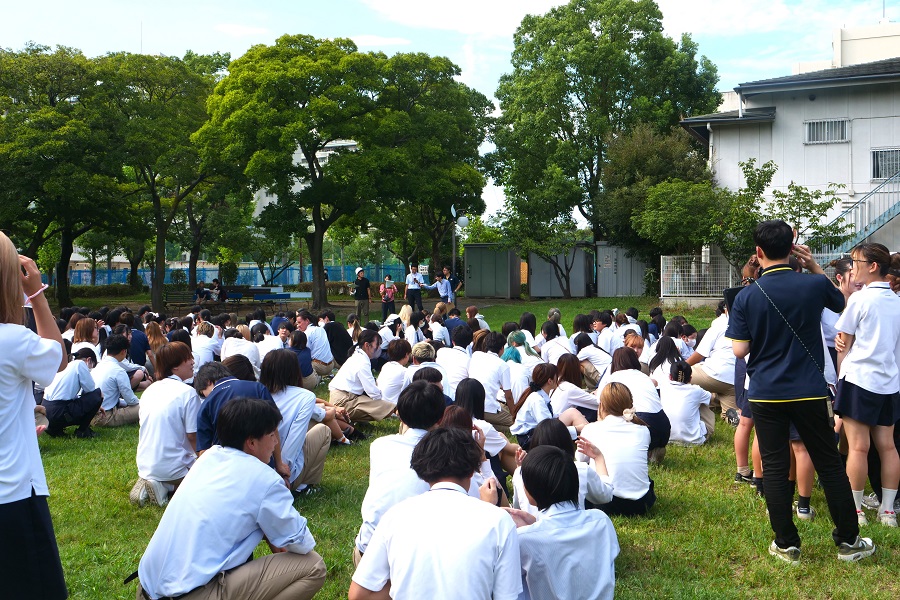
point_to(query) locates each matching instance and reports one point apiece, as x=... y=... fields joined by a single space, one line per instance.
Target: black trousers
x=30 y=568
x=810 y=417
x=387 y=308
x=78 y=411
x=414 y=297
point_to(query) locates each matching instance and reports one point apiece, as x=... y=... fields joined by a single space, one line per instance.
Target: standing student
x=788 y=386
x=442 y=286
x=362 y=293
x=388 y=291
x=414 y=284
x=29 y=558
x=868 y=397
x=242 y=502
x=566 y=552
x=455 y=284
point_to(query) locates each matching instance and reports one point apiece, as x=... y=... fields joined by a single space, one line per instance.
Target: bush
x=651 y=282
x=228 y=273
x=114 y=290
x=179 y=278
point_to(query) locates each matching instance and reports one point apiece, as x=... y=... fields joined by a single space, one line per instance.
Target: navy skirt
x=866 y=407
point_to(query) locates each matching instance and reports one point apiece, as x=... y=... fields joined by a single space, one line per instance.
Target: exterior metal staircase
x=871 y=213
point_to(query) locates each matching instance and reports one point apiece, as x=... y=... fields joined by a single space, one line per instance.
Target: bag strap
x=820 y=369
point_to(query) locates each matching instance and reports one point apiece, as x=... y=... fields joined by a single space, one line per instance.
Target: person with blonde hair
x=29 y=559
x=621 y=440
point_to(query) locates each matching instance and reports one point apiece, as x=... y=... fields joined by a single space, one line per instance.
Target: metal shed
x=617 y=273
x=491 y=272
x=542 y=276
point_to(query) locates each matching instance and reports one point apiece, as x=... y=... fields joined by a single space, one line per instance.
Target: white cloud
x=494 y=18
x=378 y=41
x=235 y=30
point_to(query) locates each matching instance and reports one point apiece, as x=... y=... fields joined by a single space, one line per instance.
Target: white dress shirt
x=390 y=480
x=297 y=406
x=414 y=281
x=537 y=407
x=569 y=553
x=114 y=384
x=597 y=357
x=391 y=381
x=241 y=499
x=519 y=378
x=411 y=370
x=446 y=542
x=203 y=348
x=643 y=392
x=440 y=333
x=681 y=402
x=269 y=343
x=413 y=335
x=69 y=383
x=34 y=359
x=717 y=352
x=317 y=342
x=493 y=373
x=79 y=345
x=590 y=487
x=624 y=446
x=238 y=345
x=552 y=350
x=167 y=413
x=609 y=341
x=873 y=316
x=355 y=377
x=568 y=395
x=455 y=362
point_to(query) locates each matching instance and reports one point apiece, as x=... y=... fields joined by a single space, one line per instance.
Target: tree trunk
x=159 y=268
x=134 y=262
x=93 y=267
x=192 y=263
x=66 y=241
x=314 y=241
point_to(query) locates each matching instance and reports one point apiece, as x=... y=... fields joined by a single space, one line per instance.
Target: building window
x=885 y=163
x=830 y=131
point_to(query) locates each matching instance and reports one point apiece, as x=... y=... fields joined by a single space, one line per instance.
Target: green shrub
x=114 y=290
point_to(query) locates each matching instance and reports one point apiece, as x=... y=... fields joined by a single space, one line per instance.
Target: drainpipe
x=740 y=104
x=709 y=162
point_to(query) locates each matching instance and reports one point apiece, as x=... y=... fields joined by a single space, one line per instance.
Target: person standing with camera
x=362 y=294
x=414 y=284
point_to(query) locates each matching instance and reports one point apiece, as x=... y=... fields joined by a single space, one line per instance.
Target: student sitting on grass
x=444 y=541
x=534 y=406
x=73 y=398
x=566 y=552
x=551 y=432
x=120 y=404
x=167 y=439
x=621 y=440
x=242 y=502
x=687 y=407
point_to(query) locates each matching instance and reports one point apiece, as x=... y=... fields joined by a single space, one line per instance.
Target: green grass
x=705 y=538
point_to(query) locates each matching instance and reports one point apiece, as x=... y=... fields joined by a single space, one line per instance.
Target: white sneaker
x=808 y=514
x=871 y=502
x=888 y=518
x=139 y=494
x=157 y=492
x=861 y=518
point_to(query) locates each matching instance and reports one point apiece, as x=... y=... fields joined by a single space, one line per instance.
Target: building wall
x=874 y=116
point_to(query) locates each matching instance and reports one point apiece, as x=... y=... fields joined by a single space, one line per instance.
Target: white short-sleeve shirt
x=34 y=359
x=297 y=406
x=569 y=553
x=455 y=362
x=643 y=392
x=681 y=403
x=873 y=317
x=568 y=395
x=70 y=382
x=555 y=348
x=355 y=376
x=111 y=378
x=168 y=412
x=716 y=348
x=590 y=487
x=470 y=550
x=390 y=380
x=624 y=447
x=608 y=340
x=493 y=373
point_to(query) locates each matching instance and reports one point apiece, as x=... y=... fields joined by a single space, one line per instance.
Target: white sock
x=887 y=500
x=857 y=499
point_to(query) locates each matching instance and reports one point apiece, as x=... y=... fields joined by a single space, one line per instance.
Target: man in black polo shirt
x=777 y=321
x=362 y=292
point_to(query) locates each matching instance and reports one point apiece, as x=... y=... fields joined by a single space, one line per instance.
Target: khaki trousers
x=357 y=556
x=590 y=375
x=723 y=391
x=312 y=380
x=282 y=576
x=315 y=449
x=708 y=417
x=362 y=408
x=362 y=310
x=120 y=415
x=501 y=420
x=322 y=368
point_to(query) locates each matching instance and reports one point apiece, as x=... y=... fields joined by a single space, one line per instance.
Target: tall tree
x=58 y=158
x=583 y=73
x=274 y=116
x=158 y=103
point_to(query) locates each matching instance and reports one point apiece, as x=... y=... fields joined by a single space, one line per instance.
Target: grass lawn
x=705 y=538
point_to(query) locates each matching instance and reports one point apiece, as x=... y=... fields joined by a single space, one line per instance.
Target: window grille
x=885 y=163
x=830 y=131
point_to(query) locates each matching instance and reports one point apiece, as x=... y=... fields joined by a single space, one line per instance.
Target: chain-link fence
x=707 y=275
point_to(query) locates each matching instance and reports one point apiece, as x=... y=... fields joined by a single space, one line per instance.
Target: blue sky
x=748 y=40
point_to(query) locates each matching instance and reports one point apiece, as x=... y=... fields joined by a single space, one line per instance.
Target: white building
x=836 y=125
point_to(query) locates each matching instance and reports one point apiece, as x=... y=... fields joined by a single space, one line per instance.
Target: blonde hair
x=244 y=331
x=405 y=314
x=12 y=294
x=206 y=328
x=440 y=309
x=634 y=341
